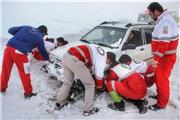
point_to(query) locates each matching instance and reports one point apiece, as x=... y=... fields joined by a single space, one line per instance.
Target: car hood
x=60 y=51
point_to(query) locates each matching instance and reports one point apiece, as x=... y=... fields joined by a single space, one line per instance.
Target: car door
x=147 y=33
x=135 y=48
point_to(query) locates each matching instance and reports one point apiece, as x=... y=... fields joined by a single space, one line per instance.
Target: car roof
x=125 y=25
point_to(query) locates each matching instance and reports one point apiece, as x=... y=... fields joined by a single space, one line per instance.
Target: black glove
x=100 y=91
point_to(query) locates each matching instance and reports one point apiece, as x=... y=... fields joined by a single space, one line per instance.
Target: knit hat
x=43 y=29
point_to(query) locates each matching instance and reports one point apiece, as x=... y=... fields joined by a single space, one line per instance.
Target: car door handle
x=141 y=49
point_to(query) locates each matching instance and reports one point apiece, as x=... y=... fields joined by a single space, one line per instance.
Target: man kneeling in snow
x=124 y=82
x=141 y=67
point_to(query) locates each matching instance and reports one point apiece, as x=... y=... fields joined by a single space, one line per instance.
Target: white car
x=111 y=36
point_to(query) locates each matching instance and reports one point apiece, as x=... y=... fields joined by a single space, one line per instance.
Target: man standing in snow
x=83 y=61
x=25 y=38
x=164 y=44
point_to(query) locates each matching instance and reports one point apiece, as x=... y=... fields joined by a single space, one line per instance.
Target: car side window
x=148 y=34
x=135 y=38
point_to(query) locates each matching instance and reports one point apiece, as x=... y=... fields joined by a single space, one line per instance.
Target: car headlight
x=52 y=57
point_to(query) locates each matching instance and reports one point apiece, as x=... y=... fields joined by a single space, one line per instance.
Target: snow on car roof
x=121 y=24
x=115 y=25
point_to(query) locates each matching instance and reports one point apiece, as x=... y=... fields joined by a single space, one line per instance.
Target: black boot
x=28 y=96
x=120 y=106
x=155 y=107
x=3 y=91
x=142 y=109
x=141 y=105
x=58 y=106
x=93 y=111
x=144 y=102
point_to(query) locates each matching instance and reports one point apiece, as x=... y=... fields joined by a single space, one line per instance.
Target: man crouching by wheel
x=83 y=61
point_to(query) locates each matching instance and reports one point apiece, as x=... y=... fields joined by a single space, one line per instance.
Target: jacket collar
x=165 y=12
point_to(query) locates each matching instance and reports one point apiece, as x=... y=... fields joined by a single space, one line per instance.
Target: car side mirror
x=129 y=46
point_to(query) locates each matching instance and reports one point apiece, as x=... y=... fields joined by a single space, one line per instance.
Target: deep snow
x=14 y=106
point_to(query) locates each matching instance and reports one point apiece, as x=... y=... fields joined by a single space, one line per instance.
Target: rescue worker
x=61 y=42
x=25 y=38
x=164 y=45
x=140 y=67
x=84 y=61
x=50 y=44
x=124 y=82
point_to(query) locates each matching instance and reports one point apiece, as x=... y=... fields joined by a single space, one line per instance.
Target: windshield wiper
x=97 y=43
x=102 y=44
x=86 y=41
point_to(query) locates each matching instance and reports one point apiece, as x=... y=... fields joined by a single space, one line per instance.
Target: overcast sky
x=70 y=17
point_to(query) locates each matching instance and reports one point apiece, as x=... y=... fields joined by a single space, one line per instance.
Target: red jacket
x=93 y=58
x=165 y=36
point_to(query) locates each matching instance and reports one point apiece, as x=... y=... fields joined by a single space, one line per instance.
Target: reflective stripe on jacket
x=165 y=36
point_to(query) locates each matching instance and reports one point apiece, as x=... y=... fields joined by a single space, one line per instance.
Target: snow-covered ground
x=14 y=106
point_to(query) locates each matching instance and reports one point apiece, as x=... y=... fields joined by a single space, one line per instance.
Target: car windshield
x=105 y=36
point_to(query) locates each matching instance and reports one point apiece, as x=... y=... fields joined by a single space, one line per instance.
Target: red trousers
x=10 y=57
x=133 y=87
x=149 y=76
x=163 y=72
